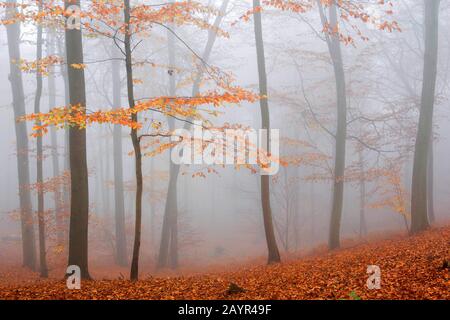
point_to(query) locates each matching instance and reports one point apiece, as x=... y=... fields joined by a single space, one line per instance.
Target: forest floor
x=411 y=268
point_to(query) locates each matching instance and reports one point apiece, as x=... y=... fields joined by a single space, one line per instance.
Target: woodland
x=347 y=102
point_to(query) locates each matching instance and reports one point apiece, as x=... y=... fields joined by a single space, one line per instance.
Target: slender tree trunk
x=107 y=177
x=168 y=232
x=136 y=145
x=121 y=244
x=273 y=253
x=312 y=213
x=334 y=48
x=173 y=213
x=288 y=209
x=168 y=249
x=54 y=143
x=430 y=182
x=362 y=198
x=66 y=187
x=40 y=156
x=15 y=77
x=79 y=191
x=104 y=172
x=419 y=202
x=152 y=207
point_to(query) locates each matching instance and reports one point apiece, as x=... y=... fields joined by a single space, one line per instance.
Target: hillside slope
x=411 y=268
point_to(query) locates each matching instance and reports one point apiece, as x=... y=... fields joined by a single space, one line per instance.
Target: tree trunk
x=106 y=177
x=334 y=48
x=419 y=202
x=121 y=243
x=168 y=249
x=167 y=232
x=273 y=253
x=54 y=143
x=15 y=77
x=362 y=198
x=430 y=182
x=79 y=192
x=312 y=214
x=136 y=145
x=66 y=187
x=40 y=156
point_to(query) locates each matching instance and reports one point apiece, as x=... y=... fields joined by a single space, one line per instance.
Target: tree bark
x=430 y=182
x=79 y=193
x=419 y=198
x=168 y=249
x=136 y=145
x=66 y=187
x=362 y=198
x=273 y=253
x=40 y=156
x=15 y=77
x=334 y=48
x=54 y=143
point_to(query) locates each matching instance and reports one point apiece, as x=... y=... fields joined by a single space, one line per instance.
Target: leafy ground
x=411 y=268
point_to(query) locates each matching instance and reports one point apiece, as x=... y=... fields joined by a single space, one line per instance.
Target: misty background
x=220 y=216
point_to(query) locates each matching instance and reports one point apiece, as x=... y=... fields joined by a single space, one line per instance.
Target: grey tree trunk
x=66 y=189
x=168 y=250
x=419 y=196
x=362 y=198
x=121 y=247
x=15 y=77
x=106 y=195
x=430 y=182
x=40 y=156
x=273 y=253
x=167 y=234
x=79 y=192
x=134 y=273
x=312 y=214
x=334 y=48
x=54 y=142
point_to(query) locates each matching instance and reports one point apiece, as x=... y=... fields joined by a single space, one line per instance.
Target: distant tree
x=339 y=12
x=40 y=155
x=168 y=249
x=171 y=208
x=15 y=77
x=273 y=253
x=51 y=84
x=419 y=190
x=119 y=207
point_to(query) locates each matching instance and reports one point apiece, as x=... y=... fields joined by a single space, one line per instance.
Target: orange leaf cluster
x=185 y=107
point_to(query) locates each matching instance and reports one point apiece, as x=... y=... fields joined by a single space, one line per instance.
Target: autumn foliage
x=411 y=268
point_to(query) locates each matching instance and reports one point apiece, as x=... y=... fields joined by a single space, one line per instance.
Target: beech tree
x=40 y=156
x=119 y=203
x=419 y=190
x=79 y=188
x=273 y=253
x=334 y=48
x=15 y=78
x=171 y=208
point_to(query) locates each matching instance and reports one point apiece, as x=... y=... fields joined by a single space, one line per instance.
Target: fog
x=219 y=212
